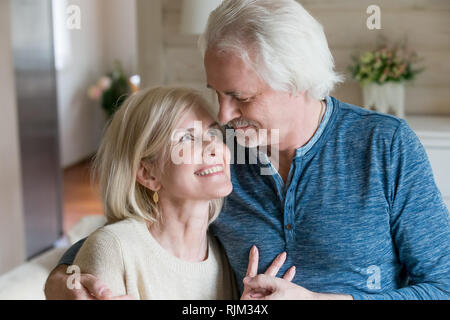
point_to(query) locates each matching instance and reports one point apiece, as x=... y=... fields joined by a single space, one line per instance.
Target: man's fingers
x=290 y=274
x=252 y=269
x=95 y=286
x=276 y=265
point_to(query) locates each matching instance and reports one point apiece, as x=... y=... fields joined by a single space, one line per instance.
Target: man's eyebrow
x=228 y=93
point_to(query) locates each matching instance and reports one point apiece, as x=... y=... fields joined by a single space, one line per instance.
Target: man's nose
x=228 y=110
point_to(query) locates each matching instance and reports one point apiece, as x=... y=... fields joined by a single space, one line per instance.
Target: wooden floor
x=80 y=197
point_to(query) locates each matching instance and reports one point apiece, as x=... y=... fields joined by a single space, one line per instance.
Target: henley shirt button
x=289 y=226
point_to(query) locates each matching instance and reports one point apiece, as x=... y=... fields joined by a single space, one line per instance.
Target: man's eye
x=242 y=100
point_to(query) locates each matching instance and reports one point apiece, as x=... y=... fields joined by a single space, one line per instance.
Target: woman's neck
x=183 y=229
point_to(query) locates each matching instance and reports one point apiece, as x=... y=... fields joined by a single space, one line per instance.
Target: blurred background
x=65 y=65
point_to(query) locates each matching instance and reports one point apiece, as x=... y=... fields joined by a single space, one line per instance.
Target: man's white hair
x=279 y=39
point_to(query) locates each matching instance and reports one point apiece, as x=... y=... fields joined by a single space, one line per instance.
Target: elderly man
x=351 y=197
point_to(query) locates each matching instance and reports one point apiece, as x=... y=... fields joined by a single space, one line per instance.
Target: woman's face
x=199 y=165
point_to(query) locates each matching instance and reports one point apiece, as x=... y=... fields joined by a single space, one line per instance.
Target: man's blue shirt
x=360 y=213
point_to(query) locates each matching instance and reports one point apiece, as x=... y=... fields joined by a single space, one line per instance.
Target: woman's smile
x=210 y=171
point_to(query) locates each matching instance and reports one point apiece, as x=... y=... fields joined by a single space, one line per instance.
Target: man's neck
x=300 y=132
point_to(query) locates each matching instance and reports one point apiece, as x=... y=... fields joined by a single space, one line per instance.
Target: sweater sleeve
x=101 y=256
x=419 y=222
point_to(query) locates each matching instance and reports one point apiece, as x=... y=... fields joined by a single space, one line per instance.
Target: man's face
x=246 y=102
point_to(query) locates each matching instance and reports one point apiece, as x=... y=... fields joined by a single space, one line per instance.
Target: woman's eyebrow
x=213 y=124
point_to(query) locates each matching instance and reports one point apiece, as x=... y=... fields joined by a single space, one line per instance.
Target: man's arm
x=56 y=284
x=420 y=231
x=69 y=256
x=92 y=288
x=419 y=222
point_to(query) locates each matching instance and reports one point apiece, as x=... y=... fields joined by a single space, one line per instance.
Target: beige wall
x=80 y=120
x=163 y=56
x=120 y=33
x=425 y=22
x=12 y=241
x=108 y=32
x=149 y=42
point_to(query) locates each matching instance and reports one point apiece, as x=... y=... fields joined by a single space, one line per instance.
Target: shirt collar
x=303 y=150
x=262 y=157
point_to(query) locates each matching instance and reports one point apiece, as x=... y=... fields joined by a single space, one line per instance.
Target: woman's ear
x=145 y=176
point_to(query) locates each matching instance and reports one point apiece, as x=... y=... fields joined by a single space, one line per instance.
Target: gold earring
x=155 y=197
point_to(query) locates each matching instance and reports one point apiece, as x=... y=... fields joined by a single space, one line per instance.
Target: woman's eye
x=214 y=133
x=187 y=137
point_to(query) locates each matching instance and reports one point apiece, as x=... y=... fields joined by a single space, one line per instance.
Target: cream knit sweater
x=126 y=257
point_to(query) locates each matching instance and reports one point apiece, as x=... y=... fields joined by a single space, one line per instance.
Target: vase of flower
x=113 y=88
x=382 y=74
x=386 y=98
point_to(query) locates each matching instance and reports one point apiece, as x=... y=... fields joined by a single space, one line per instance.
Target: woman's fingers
x=276 y=265
x=258 y=294
x=290 y=274
x=252 y=269
x=124 y=297
x=261 y=283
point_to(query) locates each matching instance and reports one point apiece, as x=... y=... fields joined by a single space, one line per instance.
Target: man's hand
x=91 y=288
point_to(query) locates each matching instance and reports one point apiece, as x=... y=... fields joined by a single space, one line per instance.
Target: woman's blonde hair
x=141 y=130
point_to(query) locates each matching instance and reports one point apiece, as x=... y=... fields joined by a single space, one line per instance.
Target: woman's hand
x=268 y=287
x=252 y=271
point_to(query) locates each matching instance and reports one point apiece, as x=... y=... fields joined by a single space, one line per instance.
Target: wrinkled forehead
x=228 y=72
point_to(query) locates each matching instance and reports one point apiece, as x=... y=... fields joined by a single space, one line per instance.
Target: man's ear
x=145 y=176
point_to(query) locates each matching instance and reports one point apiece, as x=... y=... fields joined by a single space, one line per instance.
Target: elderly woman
x=163 y=170
x=156 y=245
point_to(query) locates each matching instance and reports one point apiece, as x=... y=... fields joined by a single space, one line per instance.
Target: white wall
x=424 y=22
x=12 y=238
x=108 y=32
